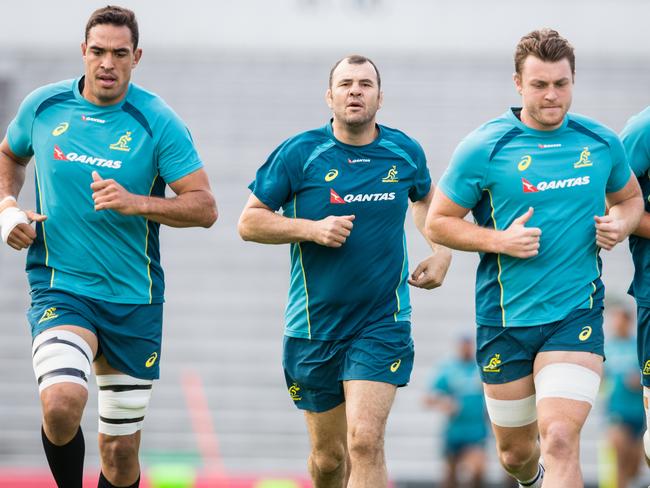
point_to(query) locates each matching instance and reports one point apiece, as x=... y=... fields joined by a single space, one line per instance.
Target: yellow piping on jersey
x=146 y=246
x=399 y=306
x=503 y=310
x=591 y=295
x=304 y=276
x=40 y=204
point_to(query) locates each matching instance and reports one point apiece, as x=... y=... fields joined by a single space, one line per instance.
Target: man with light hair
x=548 y=190
x=104 y=151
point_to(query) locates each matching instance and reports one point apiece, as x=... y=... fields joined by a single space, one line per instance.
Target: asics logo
x=152 y=360
x=395 y=366
x=585 y=333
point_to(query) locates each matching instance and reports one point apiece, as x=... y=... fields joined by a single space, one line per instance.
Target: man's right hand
x=22 y=235
x=332 y=231
x=518 y=240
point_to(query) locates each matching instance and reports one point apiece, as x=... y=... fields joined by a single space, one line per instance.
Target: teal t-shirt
x=334 y=292
x=460 y=380
x=636 y=139
x=624 y=397
x=503 y=168
x=142 y=144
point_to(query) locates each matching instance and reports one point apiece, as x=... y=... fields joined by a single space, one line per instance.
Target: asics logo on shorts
x=493 y=365
x=152 y=360
x=585 y=334
x=646 y=368
x=395 y=366
x=294 y=392
x=49 y=314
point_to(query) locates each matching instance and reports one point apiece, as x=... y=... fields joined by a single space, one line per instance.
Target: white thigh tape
x=512 y=413
x=60 y=356
x=123 y=402
x=10 y=217
x=567 y=380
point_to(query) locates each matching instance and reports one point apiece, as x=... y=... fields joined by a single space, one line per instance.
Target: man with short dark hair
x=548 y=190
x=104 y=151
x=344 y=190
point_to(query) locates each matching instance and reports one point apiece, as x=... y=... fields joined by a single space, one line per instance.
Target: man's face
x=109 y=58
x=354 y=96
x=546 y=90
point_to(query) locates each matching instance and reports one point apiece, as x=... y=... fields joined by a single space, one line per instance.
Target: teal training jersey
x=623 y=379
x=636 y=139
x=460 y=380
x=503 y=168
x=336 y=291
x=142 y=144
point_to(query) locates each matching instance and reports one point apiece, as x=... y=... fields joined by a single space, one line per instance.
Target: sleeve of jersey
x=177 y=156
x=636 y=141
x=277 y=179
x=19 y=132
x=463 y=180
x=422 y=183
x=621 y=172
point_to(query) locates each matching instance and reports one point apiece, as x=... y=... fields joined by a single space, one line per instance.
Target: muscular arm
x=12 y=172
x=643 y=230
x=259 y=223
x=445 y=225
x=193 y=205
x=431 y=272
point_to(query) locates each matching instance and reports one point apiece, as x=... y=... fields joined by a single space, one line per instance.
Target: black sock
x=104 y=483
x=67 y=461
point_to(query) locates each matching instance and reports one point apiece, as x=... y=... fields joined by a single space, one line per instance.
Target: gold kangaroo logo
x=294 y=392
x=391 y=177
x=584 y=161
x=122 y=143
x=493 y=365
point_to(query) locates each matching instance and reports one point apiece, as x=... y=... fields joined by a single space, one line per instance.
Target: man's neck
x=355 y=136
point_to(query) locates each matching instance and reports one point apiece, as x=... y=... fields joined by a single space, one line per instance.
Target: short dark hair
x=114 y=15
x=355 y=59
x=545 y=44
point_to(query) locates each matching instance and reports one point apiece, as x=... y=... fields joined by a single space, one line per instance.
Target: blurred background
x=245 y=76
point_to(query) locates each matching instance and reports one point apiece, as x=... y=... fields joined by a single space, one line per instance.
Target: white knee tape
x=512 y=413
x=60 y=356
x=567 y=380
x=10 y=217
x=123 y=402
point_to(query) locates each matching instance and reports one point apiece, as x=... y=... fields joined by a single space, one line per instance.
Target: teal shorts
x=643 y=342
x=314 y=370
x=129 y=336
x=506 y=354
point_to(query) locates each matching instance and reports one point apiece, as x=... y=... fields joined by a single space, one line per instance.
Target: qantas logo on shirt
x=85 y=118
x=359 y=160
x=548 y=146
x=59 y=155
x=528 y=187
x=360 y=197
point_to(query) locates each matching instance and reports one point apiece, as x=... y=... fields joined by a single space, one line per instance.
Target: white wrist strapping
x=10 y=198
x=10 y=217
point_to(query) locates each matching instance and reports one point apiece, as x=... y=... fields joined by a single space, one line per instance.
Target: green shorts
x=506 y=354
x=129 y=336
x=314 y=370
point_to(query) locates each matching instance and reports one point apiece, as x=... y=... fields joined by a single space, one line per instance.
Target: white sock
x=536 y=482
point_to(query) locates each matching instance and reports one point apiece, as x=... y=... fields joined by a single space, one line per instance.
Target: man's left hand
x=431 y=272
x=109 y=194
x=609 y=232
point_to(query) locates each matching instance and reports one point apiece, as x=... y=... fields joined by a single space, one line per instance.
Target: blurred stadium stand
x=225 y=298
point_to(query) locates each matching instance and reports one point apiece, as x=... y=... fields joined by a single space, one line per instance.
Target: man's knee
x=366 y=440
x=328 y=459
x=63 y=406
x=560 y=439
x=515 y=456
x=118 y=451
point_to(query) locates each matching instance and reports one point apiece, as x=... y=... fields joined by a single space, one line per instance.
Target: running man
x=539 y=181
x=636 y=139
x=104 y=150
x=344 y=190
x=456 y=391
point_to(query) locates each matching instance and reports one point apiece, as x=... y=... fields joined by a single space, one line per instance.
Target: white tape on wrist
x=9 y=218
x=8 y=199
